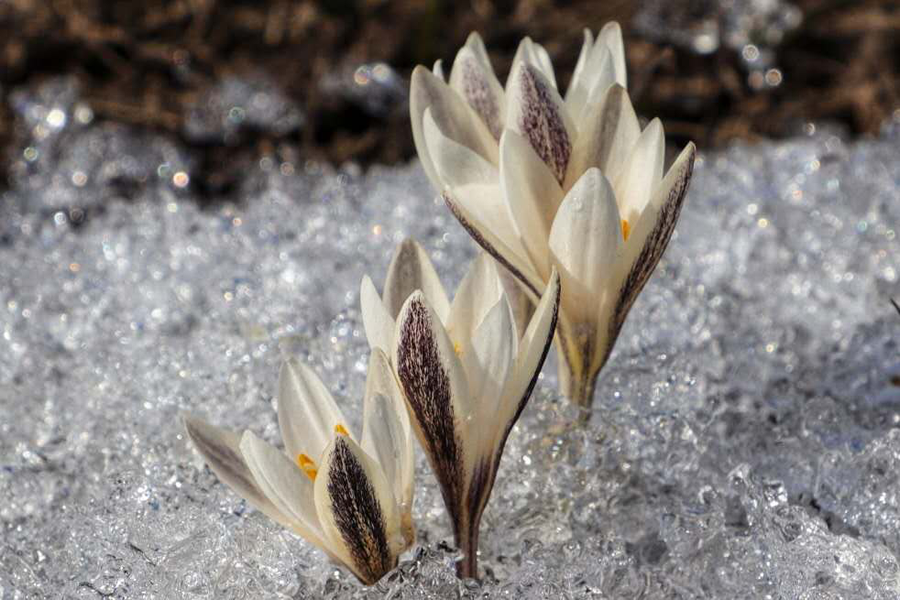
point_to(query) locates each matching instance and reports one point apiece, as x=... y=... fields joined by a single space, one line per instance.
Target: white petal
x=519 y=298
x=545 y=63
x=533 y=195
x=358 y=511
x=452 y=115
x=537 y=113
x=607 y=140
x=426 y=362
x=455 y=164
x=611 y=37
x=476 y=44
x=411 y=270
x=473 y=78
x=650 y=235
x=531 y=355
x=642 y=172
x=307 y=413
x=586 y=47
x=378 y=323
x=488 y=360
x=645 y=246
x=436 y=391
x=489 y=204
x=576 y=94
x=584 y=241
x=289 y=488
x=602 y=66
x=530 y=53
x=600 y=77
x=438 y=70
x=387 y=436
x=479 y=291
x=495 y=240
x=221 y=451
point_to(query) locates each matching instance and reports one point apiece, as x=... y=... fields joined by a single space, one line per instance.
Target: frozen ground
x=746 y=438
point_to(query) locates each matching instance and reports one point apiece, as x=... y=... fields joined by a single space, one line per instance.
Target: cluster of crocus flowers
x=464 y=371
x=352 y=500
x=546 y=182
x=570 y=196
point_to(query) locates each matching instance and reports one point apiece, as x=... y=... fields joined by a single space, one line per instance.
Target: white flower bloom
x=352 y=500
x=542 y=182
x=465 y=373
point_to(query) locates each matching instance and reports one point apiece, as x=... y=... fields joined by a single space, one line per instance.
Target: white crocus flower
x=352 y=500
x=542 y=182
x=465 y=373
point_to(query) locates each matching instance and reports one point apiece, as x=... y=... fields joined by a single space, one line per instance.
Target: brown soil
x=143 y=63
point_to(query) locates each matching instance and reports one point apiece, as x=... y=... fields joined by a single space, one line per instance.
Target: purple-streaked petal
x=537 y=113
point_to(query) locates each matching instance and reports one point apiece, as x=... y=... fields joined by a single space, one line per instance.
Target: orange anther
x=307 y=466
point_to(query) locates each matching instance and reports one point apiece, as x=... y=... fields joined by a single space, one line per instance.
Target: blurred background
x=228 y=83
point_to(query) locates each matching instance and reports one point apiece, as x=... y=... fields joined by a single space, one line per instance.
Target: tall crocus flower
x=542 y=182
x=351 y=500
x=465 y=373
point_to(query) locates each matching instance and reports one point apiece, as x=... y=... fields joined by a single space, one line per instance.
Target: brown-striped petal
x=537 y=113
x=358 y=511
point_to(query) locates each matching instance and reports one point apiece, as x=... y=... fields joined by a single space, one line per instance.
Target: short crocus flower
x=351 y=500
x=542 y=182
x=465 y=373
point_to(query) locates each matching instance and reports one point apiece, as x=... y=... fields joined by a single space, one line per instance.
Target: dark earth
x=145 y=63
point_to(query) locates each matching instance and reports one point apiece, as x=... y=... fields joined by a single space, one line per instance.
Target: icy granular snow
x=745 y=441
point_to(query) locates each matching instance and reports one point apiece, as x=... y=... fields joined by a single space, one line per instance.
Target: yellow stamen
x=457 y=347
x=340 y=429
x=307 y=465
x=626 y=229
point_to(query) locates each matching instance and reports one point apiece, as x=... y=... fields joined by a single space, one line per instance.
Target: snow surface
x=746 y=435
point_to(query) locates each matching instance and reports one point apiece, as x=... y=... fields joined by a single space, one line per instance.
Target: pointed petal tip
x=287 y=369
x=686 y=158
x=612 y=26
x=617 y=90
x=197 y=429
x=419 y=80
x=378 y=359
x=554 y=277
x=249 y=442
x=185 y=418
x=411 y=269
x=595 y=179
x=379 y=354
x=192 y=427
x=474 y=38
x=409 y=244
x=438 y=70
x=419 y=71
x=417 y=297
